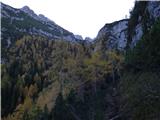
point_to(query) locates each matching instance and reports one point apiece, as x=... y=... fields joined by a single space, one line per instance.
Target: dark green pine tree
x=59 y=109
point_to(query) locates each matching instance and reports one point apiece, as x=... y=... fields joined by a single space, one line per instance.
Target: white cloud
x=84 y=17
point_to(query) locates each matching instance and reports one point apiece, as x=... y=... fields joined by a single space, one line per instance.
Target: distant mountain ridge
x=47 y=76
x=117 y=35
x=19 y=22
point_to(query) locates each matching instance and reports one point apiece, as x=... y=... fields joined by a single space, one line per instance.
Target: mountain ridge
x=25 y=21
x=119 y=39
x=130 y=34
x=109 y=78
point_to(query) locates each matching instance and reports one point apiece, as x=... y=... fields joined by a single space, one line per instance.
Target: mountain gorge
x=48 y=73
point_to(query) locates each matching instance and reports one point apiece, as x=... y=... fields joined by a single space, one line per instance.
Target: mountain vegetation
x=35 y=64
x=45 y=78
x=140 y=83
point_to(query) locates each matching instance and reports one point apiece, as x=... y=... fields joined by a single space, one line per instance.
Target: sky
x=82 y=17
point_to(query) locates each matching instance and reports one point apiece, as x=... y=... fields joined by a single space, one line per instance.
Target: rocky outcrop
x=39 y=17
x=19 y=22
x=142 y=18
x=154 y=9
x=79 y=37
x=115 y=34
x=126 y=33
x=88 y=39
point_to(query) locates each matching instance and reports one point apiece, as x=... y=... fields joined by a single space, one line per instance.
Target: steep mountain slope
x=19 y=22
x=55 y=79
x=115 y=34
x=126 y=33
x=139 y=84
x=40 y=75
x=36 y=67
x=142 y=18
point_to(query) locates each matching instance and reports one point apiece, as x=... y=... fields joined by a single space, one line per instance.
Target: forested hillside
x=38 y=70
x=57 y=79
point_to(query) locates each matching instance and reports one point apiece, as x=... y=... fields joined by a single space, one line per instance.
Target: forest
x=55 y=79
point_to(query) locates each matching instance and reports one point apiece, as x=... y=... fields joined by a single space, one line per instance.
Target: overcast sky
x=83 y=17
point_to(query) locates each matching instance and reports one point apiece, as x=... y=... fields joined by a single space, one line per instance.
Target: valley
x=48 y=73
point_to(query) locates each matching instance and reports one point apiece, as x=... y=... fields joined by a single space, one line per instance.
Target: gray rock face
x=27 y=10
x=79 y=37
x=153 y=8
x=25 y=21
x=39 y=17
x=45 y=19
x=88 y=39
x=115 y=34
x=137 y=36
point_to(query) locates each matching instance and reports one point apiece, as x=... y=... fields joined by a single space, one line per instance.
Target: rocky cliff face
x=115 y=34
x=142 y=18
x=64 y=80
x=127 y=32
x=19 y=22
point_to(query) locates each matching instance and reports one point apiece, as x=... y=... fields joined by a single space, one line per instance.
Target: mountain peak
x=25 y=7
x=26 y=21
x=30 y=12
x=27 y=10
